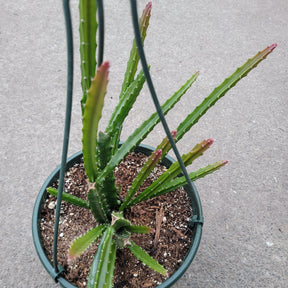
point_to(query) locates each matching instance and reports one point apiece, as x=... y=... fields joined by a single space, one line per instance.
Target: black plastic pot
x=196 y=223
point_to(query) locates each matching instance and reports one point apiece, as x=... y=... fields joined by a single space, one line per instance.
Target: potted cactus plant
x=102 y=152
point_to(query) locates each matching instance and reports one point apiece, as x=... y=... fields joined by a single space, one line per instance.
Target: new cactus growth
x=102 y=153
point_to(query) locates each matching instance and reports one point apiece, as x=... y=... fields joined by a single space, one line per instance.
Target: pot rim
x=167 y=161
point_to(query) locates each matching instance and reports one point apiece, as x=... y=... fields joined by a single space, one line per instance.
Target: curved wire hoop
x=197 y=209
x=70 y=60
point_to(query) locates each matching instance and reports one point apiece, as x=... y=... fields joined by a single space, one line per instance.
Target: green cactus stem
x=87 y=28
x=134 y=57
x=69 y=198
x=138 y=229
x=92 y=115
x=116 y=139
x=114 y=124
x=99 y=206
x=181 y=181
x=143 y=256
x=101 y=273
x=221 y=90
x=125 y=104
x=82 y=243
x=150 y=164
x=108 y=189
x=104 y=152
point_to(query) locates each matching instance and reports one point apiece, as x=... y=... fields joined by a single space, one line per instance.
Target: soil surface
x=167 y=216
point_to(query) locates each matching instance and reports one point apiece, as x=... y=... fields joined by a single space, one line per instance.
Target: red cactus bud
x=144 y=20
x=102 y=72
x=158 y=153
x=174 y=134
x=105 y=67
x=148 y=6
x=207 y=143
x=272 y=47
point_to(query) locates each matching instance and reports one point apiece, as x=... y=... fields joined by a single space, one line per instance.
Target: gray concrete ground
x=245 y=238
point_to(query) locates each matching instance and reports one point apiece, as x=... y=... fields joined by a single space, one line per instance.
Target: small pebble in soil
x=52 y=205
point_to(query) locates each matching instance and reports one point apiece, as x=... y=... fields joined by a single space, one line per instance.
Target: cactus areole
x=195 y=225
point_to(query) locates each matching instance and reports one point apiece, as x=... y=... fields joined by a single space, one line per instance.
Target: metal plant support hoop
x=197 y=221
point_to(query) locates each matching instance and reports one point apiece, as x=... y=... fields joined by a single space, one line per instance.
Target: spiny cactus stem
x=197 y=151
x=221 y=90
x=80 y=244
x=179 y=182
x=152 y=161
x=87 y=28
x=91 y=118
x=172 y=172
x=134 y=57
x=125 y=104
